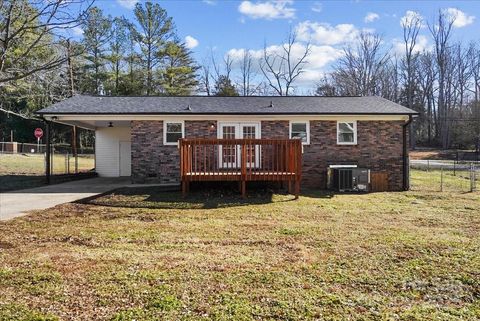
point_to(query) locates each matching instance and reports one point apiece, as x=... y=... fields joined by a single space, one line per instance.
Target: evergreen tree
x=131 y=80
x=118 y=49
x=179 y=76
x=224 y=87
x=97 y=33
x=156 y=28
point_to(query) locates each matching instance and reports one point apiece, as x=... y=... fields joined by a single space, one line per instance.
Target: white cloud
x=210 y=2
x=77 y=31
x=420 y=45
x=371 y=17
x=273 y=9
x=191 y=42
x=412 y=16
x=460 y=18
x=320 y=57
x=317 y=7
x=325 y=34
x=129 y=4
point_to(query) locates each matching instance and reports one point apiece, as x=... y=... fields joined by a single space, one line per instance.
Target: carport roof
x=210 y=105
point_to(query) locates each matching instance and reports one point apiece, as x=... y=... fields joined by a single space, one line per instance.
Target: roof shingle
x=207 y=105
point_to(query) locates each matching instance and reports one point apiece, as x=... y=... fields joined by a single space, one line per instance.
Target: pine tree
x=156 y=28
x=97 y=34
x=224 y=87
x=118 y=49
x=179 y=76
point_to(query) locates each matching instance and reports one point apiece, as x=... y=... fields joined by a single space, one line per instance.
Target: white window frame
x=165 y=131
x=307 y=125
x=354 y=132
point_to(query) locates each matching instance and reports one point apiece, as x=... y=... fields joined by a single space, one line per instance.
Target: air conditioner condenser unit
x=349 y=179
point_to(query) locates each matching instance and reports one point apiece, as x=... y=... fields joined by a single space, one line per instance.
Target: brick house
x=139 y=136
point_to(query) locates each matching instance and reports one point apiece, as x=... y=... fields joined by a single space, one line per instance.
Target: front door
x=230 y=156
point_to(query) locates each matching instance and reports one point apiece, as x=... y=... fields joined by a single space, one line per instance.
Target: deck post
x=184 y=188
x=297 y=188
x=298 y=168
x=244 y=169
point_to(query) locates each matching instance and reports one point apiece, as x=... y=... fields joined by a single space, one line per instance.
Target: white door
x=125 y=158
x=230 y=156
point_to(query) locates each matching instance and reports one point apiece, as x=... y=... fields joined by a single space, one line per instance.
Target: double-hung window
x=347 y=132
x=300 y=130
x=172 y=132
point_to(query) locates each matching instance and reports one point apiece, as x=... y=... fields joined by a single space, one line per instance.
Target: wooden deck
x=241 y=160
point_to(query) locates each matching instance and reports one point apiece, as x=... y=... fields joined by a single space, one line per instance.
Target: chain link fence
x=445 y=175
x=29 y=159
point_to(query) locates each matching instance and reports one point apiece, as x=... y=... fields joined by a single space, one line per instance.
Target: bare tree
x=474 y=59
x=441 y=33
x=246 y=71
x=411 y=27
x=205 y=79
x=29 y=27
x=427 y=74
x=359 y=71
x=282 y=67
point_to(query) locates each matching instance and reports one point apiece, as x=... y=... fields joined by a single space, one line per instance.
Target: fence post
x=454 y=168
x=472 y=178
x=428 y=165
x=441 y=179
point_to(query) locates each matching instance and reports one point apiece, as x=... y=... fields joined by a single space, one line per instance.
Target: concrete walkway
x=18 y=203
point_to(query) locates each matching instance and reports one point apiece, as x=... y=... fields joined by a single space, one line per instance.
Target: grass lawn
x=146 y=254
x=19 y=171
x=34 y=164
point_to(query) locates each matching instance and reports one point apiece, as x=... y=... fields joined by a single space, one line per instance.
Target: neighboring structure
x=138 y=136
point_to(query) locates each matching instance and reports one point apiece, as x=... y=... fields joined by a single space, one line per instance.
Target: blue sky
x=327 y=25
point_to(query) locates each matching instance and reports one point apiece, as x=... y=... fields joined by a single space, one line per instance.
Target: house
x=139 y=137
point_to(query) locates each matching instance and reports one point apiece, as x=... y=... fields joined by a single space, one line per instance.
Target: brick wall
x=379 y=147
x=153 y=162
x=275 y=129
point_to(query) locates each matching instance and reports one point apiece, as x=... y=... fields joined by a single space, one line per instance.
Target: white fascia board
x=227 y=117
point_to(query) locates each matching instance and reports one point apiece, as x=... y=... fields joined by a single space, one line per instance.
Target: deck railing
x=241 y=160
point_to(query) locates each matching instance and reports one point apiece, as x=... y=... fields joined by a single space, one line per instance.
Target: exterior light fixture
x=110 y=124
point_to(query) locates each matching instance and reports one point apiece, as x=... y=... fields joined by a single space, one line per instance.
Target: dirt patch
x=6 y=245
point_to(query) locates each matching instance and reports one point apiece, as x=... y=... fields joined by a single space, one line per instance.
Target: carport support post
x=74 y=147
x=47 y=152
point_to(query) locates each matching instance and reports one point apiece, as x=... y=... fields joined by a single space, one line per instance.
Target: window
x=347 y=133
x=300 y=130
x=172 y=132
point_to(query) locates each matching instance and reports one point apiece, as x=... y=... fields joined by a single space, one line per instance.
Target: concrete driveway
x=18 y=203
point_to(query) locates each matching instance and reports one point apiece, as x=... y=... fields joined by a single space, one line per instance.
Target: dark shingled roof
x=208 y=105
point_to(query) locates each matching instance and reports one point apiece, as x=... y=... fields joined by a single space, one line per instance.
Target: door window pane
x=228 y=151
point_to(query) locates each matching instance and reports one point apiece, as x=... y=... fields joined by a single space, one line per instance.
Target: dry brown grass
x=149 y=255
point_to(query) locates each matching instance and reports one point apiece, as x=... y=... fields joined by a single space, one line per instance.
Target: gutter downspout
x=406 y=174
